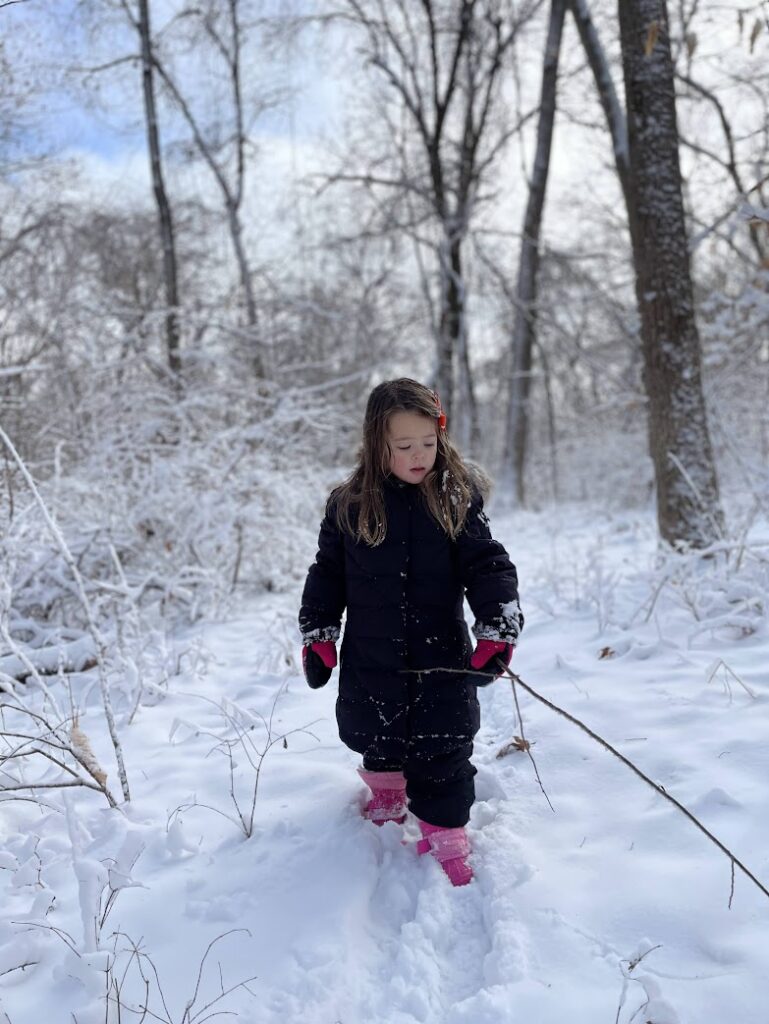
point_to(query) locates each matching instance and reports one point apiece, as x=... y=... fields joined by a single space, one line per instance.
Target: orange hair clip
x=441 y=413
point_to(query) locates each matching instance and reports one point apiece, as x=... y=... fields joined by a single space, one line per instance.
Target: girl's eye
x=404 y=449
x=429 y=444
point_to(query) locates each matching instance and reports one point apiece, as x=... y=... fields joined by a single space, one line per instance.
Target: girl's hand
x=317 y=661
x=486 y=656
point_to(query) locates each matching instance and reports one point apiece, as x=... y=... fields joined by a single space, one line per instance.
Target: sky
x=106 y=120
x=100 y=129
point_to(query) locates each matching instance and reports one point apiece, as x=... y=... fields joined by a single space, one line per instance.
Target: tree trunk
x=552 y=434
x=454 y=317
x=471 y=436
x=450 y=321
x=165 y=219
x=524 y=326
x=244 y=269
x=688 y=508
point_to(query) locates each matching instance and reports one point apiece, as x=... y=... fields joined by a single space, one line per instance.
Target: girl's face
x=413 y=443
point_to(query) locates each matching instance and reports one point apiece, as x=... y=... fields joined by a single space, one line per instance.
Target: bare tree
x=441 y=63
x=688 y=507
x=524 y=325
x=728 y=159
x=222 y=146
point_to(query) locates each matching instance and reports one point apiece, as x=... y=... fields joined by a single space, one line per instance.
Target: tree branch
x=516 y=679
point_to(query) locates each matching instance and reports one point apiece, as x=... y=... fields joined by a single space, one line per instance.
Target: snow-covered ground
x=611 y=909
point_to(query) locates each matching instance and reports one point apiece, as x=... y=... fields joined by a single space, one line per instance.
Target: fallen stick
x=525 y=745
x=735 y=861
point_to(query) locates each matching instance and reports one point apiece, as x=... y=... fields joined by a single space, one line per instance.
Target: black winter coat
x=404 y=602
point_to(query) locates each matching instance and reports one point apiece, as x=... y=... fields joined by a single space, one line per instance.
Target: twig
x=61 y=784
x=637 y=771
x=65 y=937
x=632 y=964
x=526 y=745
x=626 y=972
x=190 y=1015
x=19 y=967
x=254 y=755
x=731 y=890
x=729 y=672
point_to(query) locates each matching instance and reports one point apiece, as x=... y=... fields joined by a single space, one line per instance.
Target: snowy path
x=346 y=924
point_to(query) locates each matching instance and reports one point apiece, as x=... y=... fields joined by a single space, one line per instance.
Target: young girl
x=403 y=541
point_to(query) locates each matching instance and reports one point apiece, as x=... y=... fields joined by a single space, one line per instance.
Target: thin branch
x=62 y=784
x=93 y=629
x=95 y=69
x=193 y=1000
x=29 y=963
x=526 y=745
x=637 y=771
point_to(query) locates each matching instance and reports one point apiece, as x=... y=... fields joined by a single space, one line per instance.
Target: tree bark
x=524 y=325
x=454 y=345
x=165 y=218
x=444 y=355
x=688 y=507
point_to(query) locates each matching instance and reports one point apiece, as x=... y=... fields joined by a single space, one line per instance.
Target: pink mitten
x=485 y=659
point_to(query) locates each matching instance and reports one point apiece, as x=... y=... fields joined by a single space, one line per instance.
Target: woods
x=502 y=311
x=221 y=223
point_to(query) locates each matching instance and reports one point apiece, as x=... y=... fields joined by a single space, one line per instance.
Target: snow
x=610 y=905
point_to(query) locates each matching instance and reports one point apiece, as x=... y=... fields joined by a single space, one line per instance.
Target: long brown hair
x=359 y=504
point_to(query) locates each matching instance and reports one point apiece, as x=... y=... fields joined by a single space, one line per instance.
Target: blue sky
x=50 y=37
x=41 y=39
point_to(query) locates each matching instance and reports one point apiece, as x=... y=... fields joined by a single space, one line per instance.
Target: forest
x=222 y=222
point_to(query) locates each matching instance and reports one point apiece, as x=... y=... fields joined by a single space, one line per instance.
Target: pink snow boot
x=388 y=802
x=450 y=847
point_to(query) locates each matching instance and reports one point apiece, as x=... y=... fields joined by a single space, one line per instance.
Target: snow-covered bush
x=166 y=502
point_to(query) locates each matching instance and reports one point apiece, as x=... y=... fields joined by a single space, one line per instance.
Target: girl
x=403 y=540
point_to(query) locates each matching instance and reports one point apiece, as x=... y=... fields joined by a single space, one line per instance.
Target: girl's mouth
x=417 y=469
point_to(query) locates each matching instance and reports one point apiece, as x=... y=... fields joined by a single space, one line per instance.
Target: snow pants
x=429 y=737
x=440 y=790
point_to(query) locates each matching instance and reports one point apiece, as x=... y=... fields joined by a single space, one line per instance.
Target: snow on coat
x=404 y=603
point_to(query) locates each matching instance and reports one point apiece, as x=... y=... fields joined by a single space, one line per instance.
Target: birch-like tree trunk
x=165 y=218
x=524 y=325
x=688 y=508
